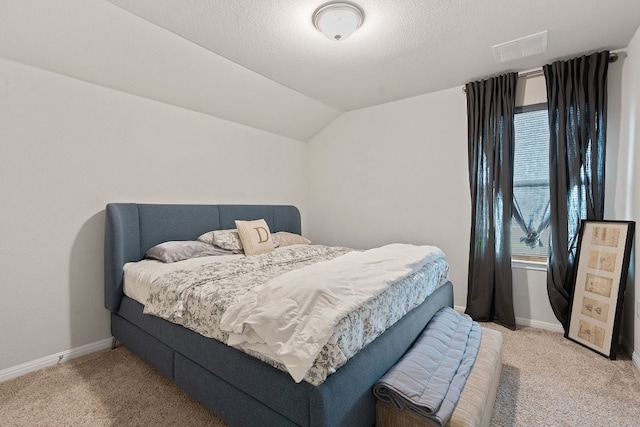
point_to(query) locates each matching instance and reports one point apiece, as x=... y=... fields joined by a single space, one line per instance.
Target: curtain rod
x=613 y=57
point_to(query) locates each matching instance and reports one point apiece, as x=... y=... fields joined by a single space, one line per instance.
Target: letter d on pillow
x=255 y=237
x=263 y=234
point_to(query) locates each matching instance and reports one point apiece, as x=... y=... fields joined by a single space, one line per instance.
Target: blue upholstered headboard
x=131 y=229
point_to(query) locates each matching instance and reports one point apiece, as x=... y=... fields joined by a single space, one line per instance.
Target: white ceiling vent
x=519 y=48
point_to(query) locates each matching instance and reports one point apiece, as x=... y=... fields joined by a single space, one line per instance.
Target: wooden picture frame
x=602 y=264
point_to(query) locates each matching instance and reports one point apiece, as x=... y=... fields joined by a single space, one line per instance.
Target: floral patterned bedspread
x=197 y=298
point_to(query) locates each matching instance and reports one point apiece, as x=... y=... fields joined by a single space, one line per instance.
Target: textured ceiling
x=262 y=63
x=404 y=48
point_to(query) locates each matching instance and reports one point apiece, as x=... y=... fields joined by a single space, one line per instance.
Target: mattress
x=138 y=276
x=232 y=279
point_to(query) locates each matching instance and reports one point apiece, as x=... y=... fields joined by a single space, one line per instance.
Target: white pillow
x=283 y=238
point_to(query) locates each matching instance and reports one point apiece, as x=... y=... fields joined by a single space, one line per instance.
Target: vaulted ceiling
x=263 y=63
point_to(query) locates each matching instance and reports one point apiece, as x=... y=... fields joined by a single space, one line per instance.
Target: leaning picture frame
x=602 y=264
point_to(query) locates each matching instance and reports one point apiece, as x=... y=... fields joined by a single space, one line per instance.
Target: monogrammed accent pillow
x=255 y=237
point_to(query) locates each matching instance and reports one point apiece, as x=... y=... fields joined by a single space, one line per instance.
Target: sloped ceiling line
x=263 y=64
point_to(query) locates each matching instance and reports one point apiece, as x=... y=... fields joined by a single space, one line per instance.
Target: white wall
x=66 y=149
x=628 y=189
x=395 y=172
x=399 y=172
x=97 y=41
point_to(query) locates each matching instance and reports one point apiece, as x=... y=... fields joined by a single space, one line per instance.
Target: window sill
x=528 y=265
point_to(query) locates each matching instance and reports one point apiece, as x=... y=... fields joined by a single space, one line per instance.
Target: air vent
x=525 y=46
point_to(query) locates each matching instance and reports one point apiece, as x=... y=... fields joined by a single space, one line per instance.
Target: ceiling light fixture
x=338 y=20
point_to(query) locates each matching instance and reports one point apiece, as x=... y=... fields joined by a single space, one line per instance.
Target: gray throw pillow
x=180 y=250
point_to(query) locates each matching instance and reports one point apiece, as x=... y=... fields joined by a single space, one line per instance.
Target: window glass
x=530 y=236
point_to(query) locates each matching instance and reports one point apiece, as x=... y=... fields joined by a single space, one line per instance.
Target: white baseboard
x=634 y=356
x=459 y=308
x=553 y=327
x=54 y=359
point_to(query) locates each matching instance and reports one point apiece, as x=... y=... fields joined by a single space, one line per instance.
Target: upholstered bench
x=475 y=406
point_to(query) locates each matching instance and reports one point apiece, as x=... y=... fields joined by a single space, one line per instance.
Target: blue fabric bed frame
x=238 y=388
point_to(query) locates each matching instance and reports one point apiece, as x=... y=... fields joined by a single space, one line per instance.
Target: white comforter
x=291 y=317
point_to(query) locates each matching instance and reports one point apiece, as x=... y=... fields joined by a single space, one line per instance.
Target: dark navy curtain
x=490 y=116
x=577 y=100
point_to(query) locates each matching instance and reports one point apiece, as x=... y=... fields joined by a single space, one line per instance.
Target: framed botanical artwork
x=602 y=263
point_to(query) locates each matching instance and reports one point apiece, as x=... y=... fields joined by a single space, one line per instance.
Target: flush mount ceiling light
x=338 y=20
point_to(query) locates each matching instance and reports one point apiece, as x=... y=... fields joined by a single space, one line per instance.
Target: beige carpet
x=546 y=381
x=108 y=388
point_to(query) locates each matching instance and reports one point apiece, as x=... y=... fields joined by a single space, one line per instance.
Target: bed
x=236 y=386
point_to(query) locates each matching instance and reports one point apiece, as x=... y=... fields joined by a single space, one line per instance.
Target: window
x=530 y=222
